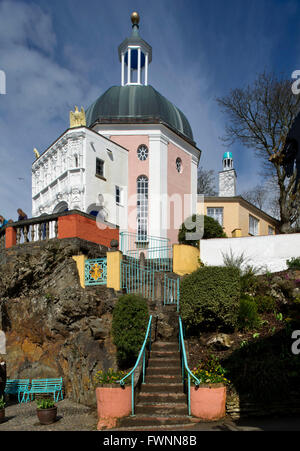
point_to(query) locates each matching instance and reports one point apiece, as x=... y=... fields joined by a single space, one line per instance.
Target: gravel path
x=70 y=417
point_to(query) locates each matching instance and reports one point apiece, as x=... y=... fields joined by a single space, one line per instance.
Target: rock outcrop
x=54 y=327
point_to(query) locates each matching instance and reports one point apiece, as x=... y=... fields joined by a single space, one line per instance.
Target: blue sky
x=63 y=53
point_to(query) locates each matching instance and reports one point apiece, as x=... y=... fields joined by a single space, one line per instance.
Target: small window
x=99 y=167
x=142 y=152
x=179 y=165
x=253 y=225
x=271 y=230
x=119 y=195
x=216 y=213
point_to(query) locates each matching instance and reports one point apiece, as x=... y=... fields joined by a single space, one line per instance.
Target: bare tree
x=206 y=182
x=257 y=196
x=260 y=117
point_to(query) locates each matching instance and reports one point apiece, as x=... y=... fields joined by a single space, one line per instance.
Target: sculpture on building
x=77 y=118
x=36 y=152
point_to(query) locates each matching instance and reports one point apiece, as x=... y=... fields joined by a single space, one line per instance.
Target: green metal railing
x=132 y=241
x=158 y=259
x=141 y=354
x=136 y=279
x=171 y=291
x=185 y=371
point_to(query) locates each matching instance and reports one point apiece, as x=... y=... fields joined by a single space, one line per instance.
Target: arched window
x=142 y=208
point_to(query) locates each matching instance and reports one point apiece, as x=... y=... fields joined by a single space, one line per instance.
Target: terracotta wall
x=78 y=226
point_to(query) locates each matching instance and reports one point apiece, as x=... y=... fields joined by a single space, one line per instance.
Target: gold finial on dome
x=135 y=18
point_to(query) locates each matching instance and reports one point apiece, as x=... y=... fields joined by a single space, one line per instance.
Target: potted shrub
x=46 y=411
x=208 y=400
x=113 y=400
x=2 y=409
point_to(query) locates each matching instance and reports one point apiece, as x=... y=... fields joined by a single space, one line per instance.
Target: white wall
x=115 y=160
x=270 y=252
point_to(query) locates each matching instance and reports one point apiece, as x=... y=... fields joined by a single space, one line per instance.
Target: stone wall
x=239 y=407
x=54 y=327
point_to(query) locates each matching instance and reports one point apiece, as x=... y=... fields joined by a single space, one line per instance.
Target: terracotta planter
x=113 y=402
x=47 y=416
x=2 y=415
x=208 y=401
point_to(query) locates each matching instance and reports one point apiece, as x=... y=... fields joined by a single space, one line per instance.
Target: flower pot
x=113 y=401
x=47 y=416
x=2 y=415
x=208 y=401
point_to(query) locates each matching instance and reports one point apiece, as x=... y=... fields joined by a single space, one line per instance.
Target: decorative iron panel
x=96 y=271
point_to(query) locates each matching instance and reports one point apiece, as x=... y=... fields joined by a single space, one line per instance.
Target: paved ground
x=76 y=417
x=70 y=417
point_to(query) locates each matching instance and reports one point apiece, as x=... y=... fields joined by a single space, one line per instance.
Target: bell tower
x=135 y=55
x=227 y=177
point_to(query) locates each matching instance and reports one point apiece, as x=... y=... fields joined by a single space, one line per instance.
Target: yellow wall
x=114 y=270
x=236 y=216
x=244 y=221
x=230 y=214
x=80 y=261
x=185 y=259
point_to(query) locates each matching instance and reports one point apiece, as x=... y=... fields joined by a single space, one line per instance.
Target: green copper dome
x=142 y=104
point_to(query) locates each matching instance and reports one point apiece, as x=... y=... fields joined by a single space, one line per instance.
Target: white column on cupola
x=146 y=69
x=123 y=69
x=129 y=66
x=136 y=54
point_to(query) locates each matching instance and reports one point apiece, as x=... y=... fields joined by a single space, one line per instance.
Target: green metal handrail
x=131 y=373
x=185 y=367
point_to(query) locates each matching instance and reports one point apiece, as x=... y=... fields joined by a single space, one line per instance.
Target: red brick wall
x=77 y=226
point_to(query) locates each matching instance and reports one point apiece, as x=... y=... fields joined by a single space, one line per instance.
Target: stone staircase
x=161 y=403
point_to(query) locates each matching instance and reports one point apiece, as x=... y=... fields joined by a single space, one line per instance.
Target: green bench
x=17 y=387
x=43 y=386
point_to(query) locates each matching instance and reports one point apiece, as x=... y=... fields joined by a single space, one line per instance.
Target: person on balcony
x=3 y=221
x=22 y=217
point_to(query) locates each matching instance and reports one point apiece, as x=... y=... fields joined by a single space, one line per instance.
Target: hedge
x=212 y=229
x=209 y=298
x=129 y=325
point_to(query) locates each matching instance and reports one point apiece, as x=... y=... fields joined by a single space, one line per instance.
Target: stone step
x=165 y=346
x=165 y=370
x=167 y=362
x=144 y=420
x=161 y=397
x=161 y=409
x=163 y=354
x=163 y=388
x=163 y=378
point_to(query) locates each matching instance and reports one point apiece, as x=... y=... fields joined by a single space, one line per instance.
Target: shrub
x=129 y=324
x=265 y=304
x=2 y=402
x=210 y=372
x=45 y=403
x=110 y=377
x=293 y=263
x=248 y=317
x=212 y=229
x=209 y=298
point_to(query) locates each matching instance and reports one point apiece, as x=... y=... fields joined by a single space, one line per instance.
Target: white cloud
x=40 y=94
